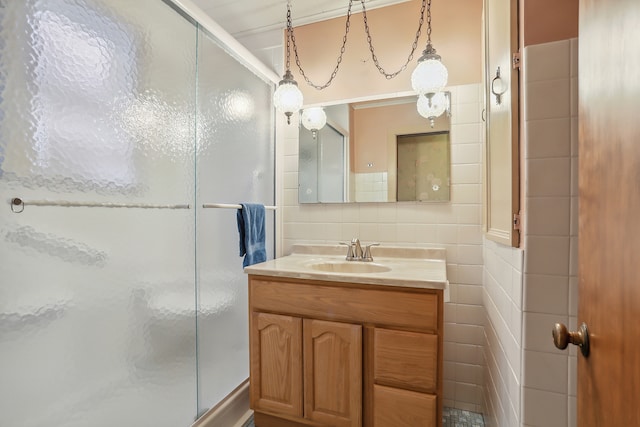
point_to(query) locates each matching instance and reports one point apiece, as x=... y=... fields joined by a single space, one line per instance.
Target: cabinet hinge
x=516 y=221
x=515 y=60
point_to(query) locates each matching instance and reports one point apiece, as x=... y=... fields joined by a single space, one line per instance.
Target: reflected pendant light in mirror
x=313 y=119
x=433 y=105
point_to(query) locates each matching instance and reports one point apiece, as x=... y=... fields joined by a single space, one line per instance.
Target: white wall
x=544 y=380
x=455 y=226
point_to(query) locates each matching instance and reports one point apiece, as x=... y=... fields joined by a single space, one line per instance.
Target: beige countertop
x=407 y=267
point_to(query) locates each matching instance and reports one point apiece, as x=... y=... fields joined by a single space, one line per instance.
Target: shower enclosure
x=122 y=300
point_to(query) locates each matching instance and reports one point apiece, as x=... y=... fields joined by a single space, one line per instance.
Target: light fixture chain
x=338 y=61
x=414 y=46
x=289 y=30
x=428 y=20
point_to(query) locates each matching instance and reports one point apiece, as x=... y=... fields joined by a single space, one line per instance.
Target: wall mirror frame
x=366 y=145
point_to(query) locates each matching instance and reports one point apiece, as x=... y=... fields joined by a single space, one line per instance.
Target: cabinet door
x=333 y=373
x=276 y=363
x=502 y=156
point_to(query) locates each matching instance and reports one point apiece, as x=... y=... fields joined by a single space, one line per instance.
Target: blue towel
x=251 y=229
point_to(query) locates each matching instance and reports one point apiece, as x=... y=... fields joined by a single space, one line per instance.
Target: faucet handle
x=367 y=252
x=350 y=256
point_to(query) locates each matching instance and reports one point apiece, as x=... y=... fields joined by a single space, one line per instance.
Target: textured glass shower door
x=97 y=304
x=235 y=164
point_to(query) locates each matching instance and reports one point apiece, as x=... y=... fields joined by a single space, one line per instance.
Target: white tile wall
x=455 y=226
x=545 y=377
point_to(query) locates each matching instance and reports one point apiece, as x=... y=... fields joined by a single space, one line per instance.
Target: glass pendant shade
x=430 y=75
x=287 y=98
x=432 y=105
x=313 y=119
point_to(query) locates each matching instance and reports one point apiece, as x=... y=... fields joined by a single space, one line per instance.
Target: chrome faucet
x=357 y=249
x=355 y=252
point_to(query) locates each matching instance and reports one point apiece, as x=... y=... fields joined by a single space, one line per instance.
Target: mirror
x=375 y=151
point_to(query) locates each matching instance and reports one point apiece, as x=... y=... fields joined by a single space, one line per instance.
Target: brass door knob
x=562 y=337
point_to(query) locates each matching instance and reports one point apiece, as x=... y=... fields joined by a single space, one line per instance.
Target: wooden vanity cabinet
x=344 y=354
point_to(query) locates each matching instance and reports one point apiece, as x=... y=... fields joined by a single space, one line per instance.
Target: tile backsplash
x=455 y=226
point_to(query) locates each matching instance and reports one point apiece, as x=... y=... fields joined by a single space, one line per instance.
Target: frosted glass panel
x=97 y=306
x=322 y=166
x=235 y=165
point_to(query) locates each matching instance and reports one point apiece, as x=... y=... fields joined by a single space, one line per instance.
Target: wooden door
x=333 y=373
x=609 y=213
x=276 y=363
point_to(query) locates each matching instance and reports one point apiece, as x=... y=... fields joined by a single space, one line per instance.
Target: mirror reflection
x=375 y=151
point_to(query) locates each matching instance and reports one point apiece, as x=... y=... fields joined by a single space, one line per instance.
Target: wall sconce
x=313 y=119
x=498 y=88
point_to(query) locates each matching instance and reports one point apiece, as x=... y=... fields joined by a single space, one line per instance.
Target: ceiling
x=242 y=18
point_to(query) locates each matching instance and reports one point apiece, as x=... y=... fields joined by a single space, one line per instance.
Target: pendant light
x=287 y=98
x=314 y=119
x=433 y=105
x=430 y=75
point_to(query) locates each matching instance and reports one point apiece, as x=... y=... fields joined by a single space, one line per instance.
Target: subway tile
x=467 y=393
x=466 y=133
x=470 y=254
x=406 y=233
x=426 y=233
x=537 y=327
x=470 y=314
x=290 y=180
x=547 y=61
x=447 y=233
x=544 y=408
x=574 y=57
x=466 y=193
x=290 y=163
x=467 y=153
x=572 y=411
x=369 y=232
x=468 y=214
x=574 y=216
x=517 y=288
x=573 y=256
x=574 y=136
x=547 y=99
x=548 y=177
x=350 y=212
x=468 y=94
x=547 y=255
x=469 y=274
x=548 y=138
x=388 y=235
x=515 y=325
x=470 y=234
x=466 y=373
x=573 y=296
x=369 y=212
x=548 y=216
x=465 y=174
x=573 y=376
x=545 y=371
x=546 y=294
x=387 y=212
x=467 y=113
x=470 y=334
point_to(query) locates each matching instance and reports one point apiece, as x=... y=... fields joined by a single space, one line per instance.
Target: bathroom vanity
x=337 y=343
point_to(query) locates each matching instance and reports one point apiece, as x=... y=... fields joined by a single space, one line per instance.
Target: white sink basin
x=352 y=267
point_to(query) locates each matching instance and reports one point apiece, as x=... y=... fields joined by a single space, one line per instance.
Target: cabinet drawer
x=319 y=300
x=403 y=408
x=406 y=359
